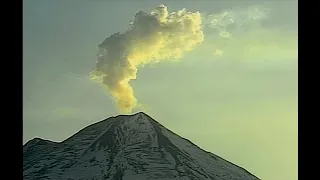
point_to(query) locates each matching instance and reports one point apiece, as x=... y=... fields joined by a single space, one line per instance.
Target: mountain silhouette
x=125 y=147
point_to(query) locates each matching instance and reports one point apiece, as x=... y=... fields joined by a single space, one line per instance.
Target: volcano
x=125 y=147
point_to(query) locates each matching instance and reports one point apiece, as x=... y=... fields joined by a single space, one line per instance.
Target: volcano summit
x=125 y=147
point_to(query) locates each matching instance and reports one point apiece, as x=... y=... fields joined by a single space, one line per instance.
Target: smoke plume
x=150 y=38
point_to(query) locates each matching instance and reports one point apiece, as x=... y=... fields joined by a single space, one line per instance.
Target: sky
x=240 y=104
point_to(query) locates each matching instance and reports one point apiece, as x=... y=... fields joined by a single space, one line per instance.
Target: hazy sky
x=241 y=106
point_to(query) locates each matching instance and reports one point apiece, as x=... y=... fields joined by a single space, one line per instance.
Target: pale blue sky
x=241 y=106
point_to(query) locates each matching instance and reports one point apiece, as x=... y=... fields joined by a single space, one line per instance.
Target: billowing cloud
x=242 y=34
x=151 y=38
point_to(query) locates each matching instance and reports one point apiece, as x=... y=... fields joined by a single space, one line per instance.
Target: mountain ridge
x=121 y=139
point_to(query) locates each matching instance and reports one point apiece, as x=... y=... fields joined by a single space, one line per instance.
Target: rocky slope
x=125 y=147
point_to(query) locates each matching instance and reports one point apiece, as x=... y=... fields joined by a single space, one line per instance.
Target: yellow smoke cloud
x=151 y=38
x=237 y=34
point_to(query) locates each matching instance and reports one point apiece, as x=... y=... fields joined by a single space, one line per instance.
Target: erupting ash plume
x=151 y=38
x=237 y=33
